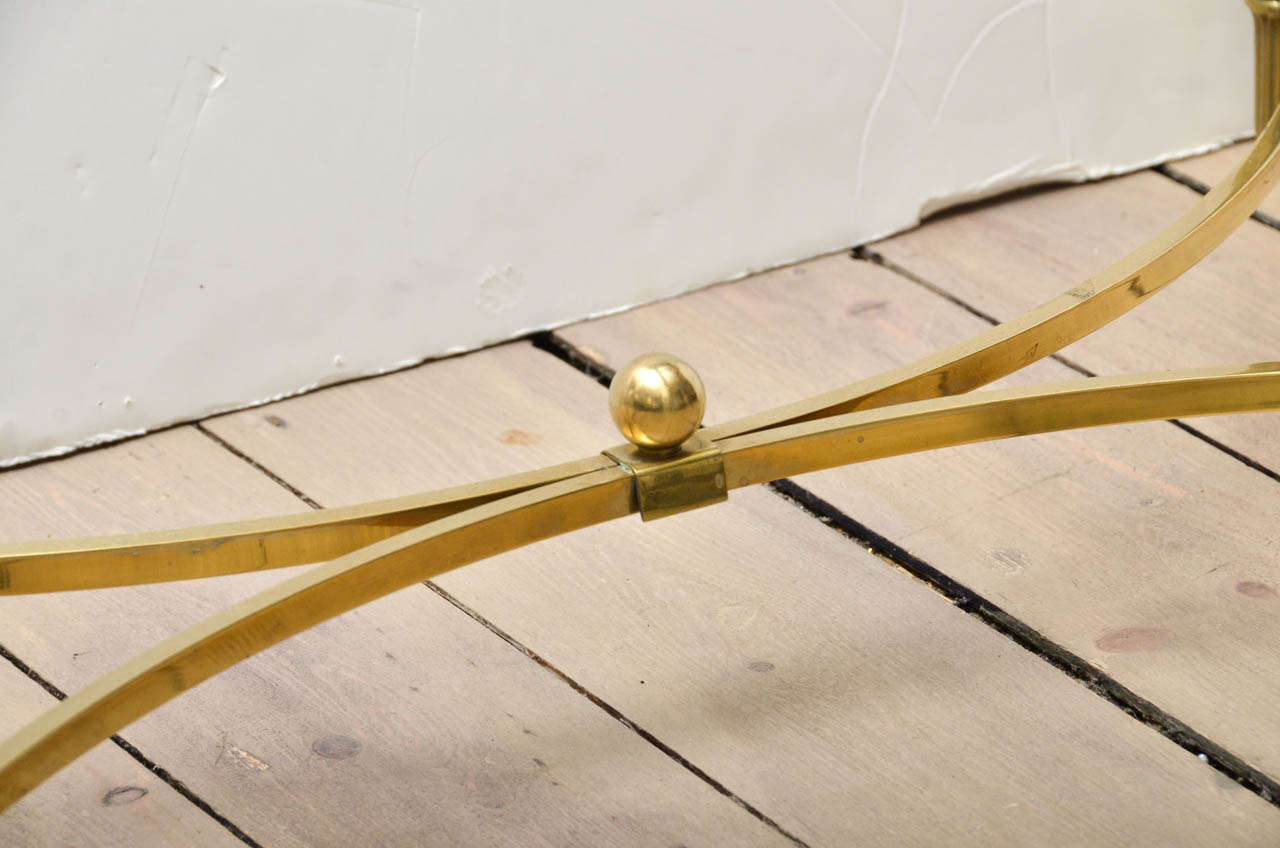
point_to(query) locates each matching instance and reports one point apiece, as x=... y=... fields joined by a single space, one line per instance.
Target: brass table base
x=376 y=548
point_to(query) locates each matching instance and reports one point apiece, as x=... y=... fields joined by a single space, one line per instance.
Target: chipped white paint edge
x=1017 y=178
x=304 y=218
x=983 y=191
x=993 y=187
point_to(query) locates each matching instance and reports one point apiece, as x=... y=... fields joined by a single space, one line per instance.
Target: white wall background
x=205 y=205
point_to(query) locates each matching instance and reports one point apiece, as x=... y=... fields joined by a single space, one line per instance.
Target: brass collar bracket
x=690 y=476
x=657 y=401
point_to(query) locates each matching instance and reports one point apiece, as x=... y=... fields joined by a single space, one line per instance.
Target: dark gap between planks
x=866 y=254
x=1204 y=188
x=163 y=774
x=537 y=658
x=975 y=604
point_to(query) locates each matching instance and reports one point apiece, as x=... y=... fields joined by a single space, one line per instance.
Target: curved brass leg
x=982 y=416
x=385 y=545
x=221 y=641
x=262 y=543
x=1067 y=318
x=1266 y=59
x=312 y=537
x=181 y=662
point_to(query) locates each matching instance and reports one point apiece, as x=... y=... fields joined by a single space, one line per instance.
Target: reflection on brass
x=376 y=548
x=689 y=477
x=657 y=401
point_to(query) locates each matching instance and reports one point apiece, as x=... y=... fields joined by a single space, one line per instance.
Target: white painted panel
x=206 y=205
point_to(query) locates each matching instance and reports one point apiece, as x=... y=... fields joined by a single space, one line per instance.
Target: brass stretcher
x=373 y=549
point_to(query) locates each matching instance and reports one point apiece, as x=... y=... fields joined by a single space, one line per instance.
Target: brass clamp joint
x=657 y=401
x=690 y=477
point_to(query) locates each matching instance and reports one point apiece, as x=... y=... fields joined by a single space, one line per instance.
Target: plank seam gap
x=1033 y=641
x=567 y=353
x=161 y=773
x=529 y=654
x=1204 y=188
x=276 y=478
x=426 y=360
x=865 y=254
x=984 y=610
x=617 y=715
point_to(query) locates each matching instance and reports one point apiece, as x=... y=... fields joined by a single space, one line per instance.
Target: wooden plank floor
x=1047 y=640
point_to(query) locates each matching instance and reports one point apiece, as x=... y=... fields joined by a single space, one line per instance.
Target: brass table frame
x=377 y=548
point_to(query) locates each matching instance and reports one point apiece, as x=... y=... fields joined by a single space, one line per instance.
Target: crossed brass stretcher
x=377 y=548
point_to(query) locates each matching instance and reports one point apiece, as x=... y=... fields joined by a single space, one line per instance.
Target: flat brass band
x=1266 y=62
x=983 y=416
x=157 y=675
x=293 y=540
x=1067 y=318
x=690 y=477
x=183 y=661
x=215 y=549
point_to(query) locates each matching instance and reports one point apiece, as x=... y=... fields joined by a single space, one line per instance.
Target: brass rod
x=1266 y=59
x=212 y=550
x=1067 y=318
x=909 y=409
x=165 y=671
x=987 y=415
x=175 y=665
x=292 y=540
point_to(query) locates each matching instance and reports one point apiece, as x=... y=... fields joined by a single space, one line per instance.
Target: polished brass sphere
x=657 y=401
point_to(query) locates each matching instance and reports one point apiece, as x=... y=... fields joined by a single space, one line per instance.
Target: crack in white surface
x=410 y=81
x=972 y=48
x=1053 y=85
x=1015 y=176
x=217 y=77
x=413 y=175
x=875 y=104
x=740 y=123
x=853 y=22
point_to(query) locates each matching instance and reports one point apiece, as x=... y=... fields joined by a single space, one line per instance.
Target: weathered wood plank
x=1140 y=548
x=1212 y=167
x=110 y=799
x=1006 y=257
x=402 y=723
x=840 y=696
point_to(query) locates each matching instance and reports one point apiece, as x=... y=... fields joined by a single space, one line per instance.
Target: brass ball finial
x=657 y=401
